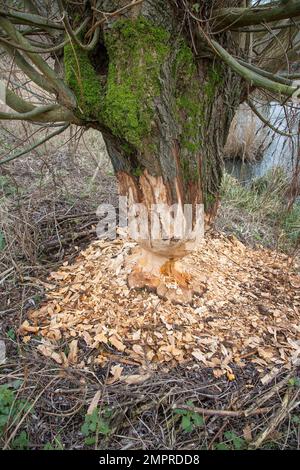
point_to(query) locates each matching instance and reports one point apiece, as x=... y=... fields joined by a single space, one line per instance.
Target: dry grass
x=241 y=414
x=260 y=214
x=247 y=139
x=46 y=198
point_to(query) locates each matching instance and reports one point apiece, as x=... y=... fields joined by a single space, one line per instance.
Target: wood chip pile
x=250 y=312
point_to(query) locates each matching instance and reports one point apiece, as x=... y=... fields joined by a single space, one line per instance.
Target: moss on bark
x=189 y=113
x=137 y=50
x=83 y=80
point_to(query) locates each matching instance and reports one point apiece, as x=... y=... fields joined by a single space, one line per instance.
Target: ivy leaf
x=85 y=429
x=103 y=427
x=189 y=403
x=296 y=419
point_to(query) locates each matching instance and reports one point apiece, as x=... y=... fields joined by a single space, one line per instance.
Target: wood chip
x=250 y=312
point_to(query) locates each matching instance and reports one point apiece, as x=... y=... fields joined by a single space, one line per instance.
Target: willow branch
x=17 y=103
x=73 y=36
x=253 y=77
x=264 y=73
x=277 y=53
x=45 y=49
x=261 y=29
x=28 y=112
x=239 y=17
x=28 y=70
x=291 y=76
x=64 y=93
x=266 y=122
x=30 y=19
x=29 y=115
x=34 y=146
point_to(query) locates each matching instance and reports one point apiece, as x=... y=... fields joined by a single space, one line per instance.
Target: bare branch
x=253 y=77
x=239 y=17
x=53 y=48
x=28 y=70
x=30 y=19
x=29 y=115
x=267 y=123
x=65 y=95
x=264 y=73
x=262 y=29
x=34 y=146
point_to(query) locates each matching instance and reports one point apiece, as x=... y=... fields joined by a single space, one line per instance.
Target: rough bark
x=165 y=116
x=168 y=114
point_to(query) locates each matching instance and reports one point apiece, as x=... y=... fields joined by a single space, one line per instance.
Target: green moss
x=209 y=202
x=82 y=79
x=136 y=51
x=214 y=80
x=137 y=171
x=189 y=114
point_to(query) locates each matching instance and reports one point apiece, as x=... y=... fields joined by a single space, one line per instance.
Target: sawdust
x=250 y=312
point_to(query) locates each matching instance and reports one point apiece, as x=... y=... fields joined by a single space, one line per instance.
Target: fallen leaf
x=117 y=344
x=136 y=378
x=73 y=351
x=94 y=403
x=199 y=356
x=116 y=372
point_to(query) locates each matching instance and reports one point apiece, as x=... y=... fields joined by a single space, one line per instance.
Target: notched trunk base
x=170 y=279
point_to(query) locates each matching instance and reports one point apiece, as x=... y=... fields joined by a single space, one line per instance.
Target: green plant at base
x=11 y=411
x=294 y=382
x=190 y=419
x=56 y=445
x=233 y=442
x=94 y=424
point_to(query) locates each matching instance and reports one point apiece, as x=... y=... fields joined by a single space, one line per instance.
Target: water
x=281 y=152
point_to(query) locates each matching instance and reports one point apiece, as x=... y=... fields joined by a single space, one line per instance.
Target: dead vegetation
x=137 y=402
x=248 y=138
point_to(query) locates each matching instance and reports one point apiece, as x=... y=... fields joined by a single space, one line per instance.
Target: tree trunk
x=165 y=111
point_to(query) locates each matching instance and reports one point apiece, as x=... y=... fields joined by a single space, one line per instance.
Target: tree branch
x=256 y=79
x=262 y=29
x=267 y=123
x=28 y=70
x=264 y=73
x=28 y=115
x=34 y=146
x=65 y=95
x=72 y=35
x=31 y=19
x=239 y=17
x=49 y=49
x=29 y=112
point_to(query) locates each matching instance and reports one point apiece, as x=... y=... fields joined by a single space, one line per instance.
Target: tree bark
x=165 y=114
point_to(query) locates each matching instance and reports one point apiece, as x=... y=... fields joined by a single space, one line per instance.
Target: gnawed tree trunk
x=165 y=115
